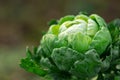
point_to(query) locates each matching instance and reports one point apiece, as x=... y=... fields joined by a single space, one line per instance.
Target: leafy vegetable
x=77 y=47
x=31 y=65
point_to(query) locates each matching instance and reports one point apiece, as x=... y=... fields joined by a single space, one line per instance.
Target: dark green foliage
x=31 y=64
x=52 y=22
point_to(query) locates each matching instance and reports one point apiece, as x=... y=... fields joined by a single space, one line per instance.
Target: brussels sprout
x=75 y=43
x=80 y=33
x=74 y=49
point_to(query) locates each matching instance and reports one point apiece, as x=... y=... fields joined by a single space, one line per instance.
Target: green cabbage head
x=71 y=49
x=80 y=33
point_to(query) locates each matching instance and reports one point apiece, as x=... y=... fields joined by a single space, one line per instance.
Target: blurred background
x=22 y=23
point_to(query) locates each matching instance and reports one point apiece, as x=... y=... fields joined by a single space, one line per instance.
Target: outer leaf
x=28 y=53
x=114 y=28
x=54 y=29
x=101 y=40
x=52 y=22
x=82 y=17
x=65 y=57
x=99 y=20
x=88 y=67
x=66 y=18
x=106 y=63
x=45 y=62
x=79 y=42
x=92 y=27
x=48 y=44
x=30 y=64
